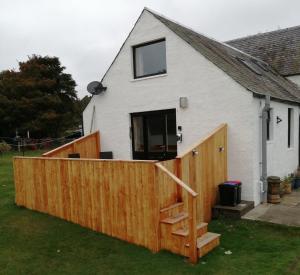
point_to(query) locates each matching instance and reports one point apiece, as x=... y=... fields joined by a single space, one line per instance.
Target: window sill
x=148 y=77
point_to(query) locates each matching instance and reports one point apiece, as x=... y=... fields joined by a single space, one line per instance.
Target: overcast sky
x=87 y=34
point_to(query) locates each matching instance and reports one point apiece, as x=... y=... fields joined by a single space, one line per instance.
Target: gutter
x=264 y=172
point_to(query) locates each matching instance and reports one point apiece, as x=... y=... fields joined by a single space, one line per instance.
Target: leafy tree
x=39 y=97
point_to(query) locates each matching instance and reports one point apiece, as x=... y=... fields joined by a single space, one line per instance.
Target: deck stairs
x=175 y=234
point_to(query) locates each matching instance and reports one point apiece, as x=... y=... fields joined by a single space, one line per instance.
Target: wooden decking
x=159 y=205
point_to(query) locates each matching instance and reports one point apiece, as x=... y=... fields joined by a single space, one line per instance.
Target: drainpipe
x=264 y=174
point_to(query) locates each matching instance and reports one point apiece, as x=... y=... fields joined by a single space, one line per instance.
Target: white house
x=168 y=79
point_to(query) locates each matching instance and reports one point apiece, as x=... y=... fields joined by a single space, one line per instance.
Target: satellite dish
x=95 y=88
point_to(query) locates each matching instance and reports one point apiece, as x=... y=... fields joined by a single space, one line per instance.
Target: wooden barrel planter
x=273 y=189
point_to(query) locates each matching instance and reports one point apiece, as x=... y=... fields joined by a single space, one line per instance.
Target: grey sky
x=87 y=34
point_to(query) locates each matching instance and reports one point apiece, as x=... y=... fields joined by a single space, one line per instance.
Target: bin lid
x=233 y=182
x=273 y=179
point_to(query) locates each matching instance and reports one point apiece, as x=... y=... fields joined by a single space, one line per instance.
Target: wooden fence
x=203 y=167
x=123 y=198
x=87 y=146
x=118 y=198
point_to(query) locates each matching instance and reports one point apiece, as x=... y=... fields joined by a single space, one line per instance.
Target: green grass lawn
x=35 y=243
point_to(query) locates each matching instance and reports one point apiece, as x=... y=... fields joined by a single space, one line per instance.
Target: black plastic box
x=230 y=193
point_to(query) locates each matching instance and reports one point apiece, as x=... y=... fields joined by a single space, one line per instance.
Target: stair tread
x=206 y=238
x=171 y=207
x=176 y=218
x=185 y=231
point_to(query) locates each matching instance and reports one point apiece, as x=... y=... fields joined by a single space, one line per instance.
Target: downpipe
x=264 y=162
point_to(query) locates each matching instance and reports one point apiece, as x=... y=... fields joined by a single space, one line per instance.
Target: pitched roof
x=252 y=73
x=280 y=48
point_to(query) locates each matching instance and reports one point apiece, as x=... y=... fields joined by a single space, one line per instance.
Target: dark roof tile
x=279 y=48
x=234 y=63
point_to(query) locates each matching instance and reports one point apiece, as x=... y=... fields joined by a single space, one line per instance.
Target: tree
x=40 y=97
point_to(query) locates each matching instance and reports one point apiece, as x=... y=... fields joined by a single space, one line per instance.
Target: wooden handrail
x=211 y=134
x=177 y=180
x=192 y=210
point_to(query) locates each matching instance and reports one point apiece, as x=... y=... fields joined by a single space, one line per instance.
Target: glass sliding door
x=154 y=135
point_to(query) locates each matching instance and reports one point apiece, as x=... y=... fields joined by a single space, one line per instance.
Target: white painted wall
x=295 y=79
x=281 y=159
x=213 y=97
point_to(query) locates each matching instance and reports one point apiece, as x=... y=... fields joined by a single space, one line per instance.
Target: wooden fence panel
x=118 y=198
x=204 y=167
x=167 y=187
x=87 y=146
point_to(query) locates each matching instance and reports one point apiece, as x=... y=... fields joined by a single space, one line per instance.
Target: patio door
x=154 y=135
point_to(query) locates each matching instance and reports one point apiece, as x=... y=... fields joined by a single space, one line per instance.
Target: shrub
x=4 y=147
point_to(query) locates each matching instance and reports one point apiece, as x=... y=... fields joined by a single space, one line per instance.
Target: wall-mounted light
x=179 y=134
x=195 y=152
x=221 y=149
x=278 y=119
x=183 y=102
x=179 y=137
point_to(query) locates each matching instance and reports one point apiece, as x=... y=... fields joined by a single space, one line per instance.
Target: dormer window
x=150 y=59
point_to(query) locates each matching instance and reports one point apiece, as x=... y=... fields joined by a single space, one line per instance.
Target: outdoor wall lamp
x=179 y=137
x=183 y=102
x=195 y=152
x=221 y=149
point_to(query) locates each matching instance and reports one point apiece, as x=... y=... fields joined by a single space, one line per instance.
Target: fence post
x=192 y=208
x=179 y=175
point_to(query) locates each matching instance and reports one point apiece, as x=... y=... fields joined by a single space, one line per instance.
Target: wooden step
x=207 y=243
x=175 y=205
x=184 y=232
x=171 y=210
x=176 y=218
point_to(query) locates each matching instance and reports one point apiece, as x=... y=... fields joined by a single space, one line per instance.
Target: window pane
x=156 y=134
x=150 y=59
x=138 y=134
x=270 y=124
x=290 y=127
x=171 y=133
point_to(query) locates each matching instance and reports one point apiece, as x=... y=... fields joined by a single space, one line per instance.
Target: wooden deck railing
x=87 y=146
x=192 y=211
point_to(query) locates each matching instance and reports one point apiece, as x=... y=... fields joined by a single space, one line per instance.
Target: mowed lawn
x=35 y=243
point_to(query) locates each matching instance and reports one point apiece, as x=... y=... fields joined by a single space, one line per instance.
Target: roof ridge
x=204 y=35
x=224 y=56
x=262 y=33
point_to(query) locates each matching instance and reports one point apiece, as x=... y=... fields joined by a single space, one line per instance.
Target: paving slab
x=287 y=212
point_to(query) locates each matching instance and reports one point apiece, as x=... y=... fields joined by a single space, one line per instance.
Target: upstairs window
x=149 y=59
x=270 y=125
x=290 y=127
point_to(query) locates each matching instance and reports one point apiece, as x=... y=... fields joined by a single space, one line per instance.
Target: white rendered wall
x=295 y=79
x=281 y=159
x=214 y=98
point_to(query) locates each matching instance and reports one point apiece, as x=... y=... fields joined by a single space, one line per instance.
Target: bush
x=4 y=147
